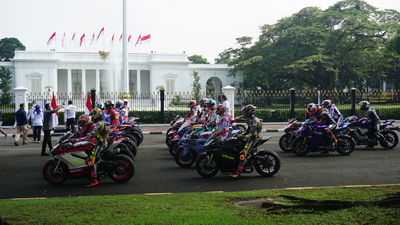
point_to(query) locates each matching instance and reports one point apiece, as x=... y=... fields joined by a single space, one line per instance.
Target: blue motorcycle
x=312 y=138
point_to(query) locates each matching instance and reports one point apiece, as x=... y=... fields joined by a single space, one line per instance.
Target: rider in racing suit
x=372 y=121
x=254 y=128
x=332 y=110
x=112 y=114
x=324 y=118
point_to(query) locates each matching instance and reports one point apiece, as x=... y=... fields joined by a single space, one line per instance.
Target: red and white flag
x=88 y=106
x=143 y=40
x=63 y=40
x=92 y=41
x=129 y=38
x=112 y=38
x=55 y=115
x=120 y=38
x=100 y=33
x=51 y=39
x=82 y=39
x=73 y=37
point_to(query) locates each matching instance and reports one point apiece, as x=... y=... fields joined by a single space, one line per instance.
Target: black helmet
x=364 y=105
x=109 y=103
x=220 y=110
x=326 y=103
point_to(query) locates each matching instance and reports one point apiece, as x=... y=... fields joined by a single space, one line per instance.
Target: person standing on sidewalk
x=1 y=125
x=30 y=114
x=37 y=123
x=69 y=116
x=48 y=127
x=21 y=120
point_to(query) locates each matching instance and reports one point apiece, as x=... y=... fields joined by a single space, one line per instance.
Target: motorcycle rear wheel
x=268 y=163
x=55 y=177
x=346 y=145
x=285 y=143
x=184 y=161
x=206 y=167
x=391 y=139
x=124 y=170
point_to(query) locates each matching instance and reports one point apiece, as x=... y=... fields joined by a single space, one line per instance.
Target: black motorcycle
x=224 y=156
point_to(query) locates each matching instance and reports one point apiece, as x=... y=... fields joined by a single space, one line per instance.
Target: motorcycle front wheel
x=206 y=167
x=55 y=174
x=391 y=139
x=184 y=161
x=301 y=147
x=345 y=145
x=286 y=143
x=267 y=163
x=124 y=170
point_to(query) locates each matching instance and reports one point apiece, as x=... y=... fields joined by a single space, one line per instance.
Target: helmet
x=326 y=103
x=211 y=103
x=249 y=110
x=220 y=110
x=203 y=101
x=313 y=108
x=109 y=103
x=83 y=119
x=192 y=103
x=364 y=105
x=37 y=107
x=119 y=104
x=99 y=105
x=96 y=114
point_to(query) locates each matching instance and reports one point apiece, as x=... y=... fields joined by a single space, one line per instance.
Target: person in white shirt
x=30 y=116
x=224 y=101
x=37 y=123
x=69 y=116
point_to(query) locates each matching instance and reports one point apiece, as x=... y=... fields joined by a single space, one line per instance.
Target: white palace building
x=77 y=72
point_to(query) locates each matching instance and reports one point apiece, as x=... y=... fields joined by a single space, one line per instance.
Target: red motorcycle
x=291 y=132
x=69 y=160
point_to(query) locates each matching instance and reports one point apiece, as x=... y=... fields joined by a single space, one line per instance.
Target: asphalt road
x=156 y=172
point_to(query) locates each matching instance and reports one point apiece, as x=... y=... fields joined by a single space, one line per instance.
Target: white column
x=20 y=97
x=69 y=81
x=97 y=81
x=229 y=92
x=83 y=80
x=139 y=88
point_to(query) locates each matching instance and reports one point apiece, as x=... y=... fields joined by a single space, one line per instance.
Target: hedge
x=268 y=115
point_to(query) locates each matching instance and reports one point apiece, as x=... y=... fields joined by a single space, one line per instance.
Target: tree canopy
x=339 y=47
x=198 y=59
x=8 y=47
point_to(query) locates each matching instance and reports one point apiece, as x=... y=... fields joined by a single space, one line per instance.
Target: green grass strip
x=361 y=205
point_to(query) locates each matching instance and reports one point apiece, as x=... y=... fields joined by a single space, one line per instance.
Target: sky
x=203 y=27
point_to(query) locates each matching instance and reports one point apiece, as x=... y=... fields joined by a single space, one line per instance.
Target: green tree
x=196 y=86
x=198 y=59
x=8 y=47
x=343 y=42
x=5 y=86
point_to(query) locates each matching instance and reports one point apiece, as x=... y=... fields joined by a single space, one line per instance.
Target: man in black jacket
x=22 y=125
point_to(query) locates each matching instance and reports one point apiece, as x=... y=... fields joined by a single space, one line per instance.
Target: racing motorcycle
x=69 y=160
x=223 y=155
x=312 y=139
x=291 y=132
x=385 y=135
x=175 y=124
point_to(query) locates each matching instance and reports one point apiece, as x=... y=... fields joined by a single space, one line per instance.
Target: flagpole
x=125 y=49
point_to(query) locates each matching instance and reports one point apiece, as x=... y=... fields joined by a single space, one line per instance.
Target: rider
x=203 y=112
x=211 y=117
x=113 y=116
x=193 y=109
x=332 y=110
x=254 y=128
x=224 y=123
x=85 y=126
x=324 y=118
x=100 y=134
x=123 y=113
x=311 y=112
x=372 y=120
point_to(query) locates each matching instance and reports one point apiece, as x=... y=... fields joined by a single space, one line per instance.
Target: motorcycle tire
x=130 y=136
x=124 y=170
x=168 y=139
x=391 y=139
x=184 y=161
x=205 y=167
x=173 y=147
x=285 y=144
x=345 y=145
x=300 y=147
x=267 y=163
x=124 y=149
x=57 y=177
x=132 y=147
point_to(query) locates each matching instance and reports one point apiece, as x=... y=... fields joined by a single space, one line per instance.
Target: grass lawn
x=361 y=205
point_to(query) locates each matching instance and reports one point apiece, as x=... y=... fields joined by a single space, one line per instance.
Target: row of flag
x=140 y=39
